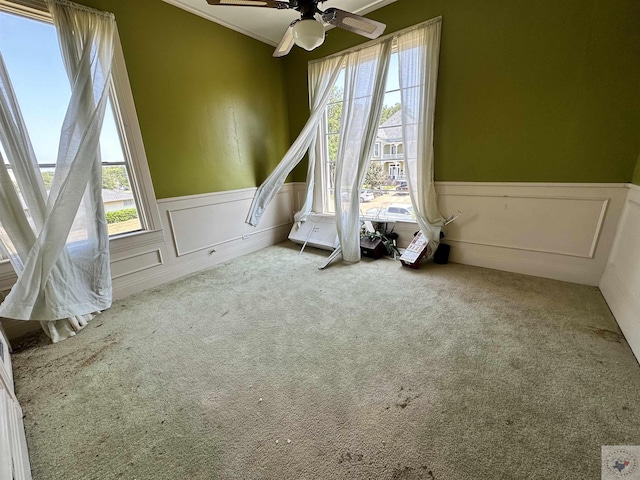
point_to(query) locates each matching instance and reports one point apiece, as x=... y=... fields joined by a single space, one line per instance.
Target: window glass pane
x=119 y=204
x=385 y=178
x=334 y=116
x=32 y=54
x=333 y=125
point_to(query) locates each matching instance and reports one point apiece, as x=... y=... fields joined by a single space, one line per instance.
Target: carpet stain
x=410 y=473
x=607 y=334
x=515 y=363
x=97 y=355
x=350 y=458
x=35 y=339
x=406 y=398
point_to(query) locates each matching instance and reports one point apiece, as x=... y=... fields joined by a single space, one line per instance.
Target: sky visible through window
x=33 y=60
x=392 y=86
x=32 y=55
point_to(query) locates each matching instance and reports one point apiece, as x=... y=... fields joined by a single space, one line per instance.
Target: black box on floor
x=442 y=254
x=371 y=247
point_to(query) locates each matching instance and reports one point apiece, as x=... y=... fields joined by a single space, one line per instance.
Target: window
x=29 y=44
x=386 y=170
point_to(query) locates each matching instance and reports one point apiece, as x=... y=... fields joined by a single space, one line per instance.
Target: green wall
x=211 y=102
x=541 y=91
x=636 y=175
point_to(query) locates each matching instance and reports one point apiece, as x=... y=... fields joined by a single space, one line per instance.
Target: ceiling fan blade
x=251 y=3
x=353 y=23
x=286 y=44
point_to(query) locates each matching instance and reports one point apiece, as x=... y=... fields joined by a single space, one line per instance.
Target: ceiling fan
x=308 y=32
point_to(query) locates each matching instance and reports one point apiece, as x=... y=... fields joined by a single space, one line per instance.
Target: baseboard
x=516 y=262
x=19 y=328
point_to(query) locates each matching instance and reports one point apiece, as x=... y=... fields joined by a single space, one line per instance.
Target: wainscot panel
x=562 y=231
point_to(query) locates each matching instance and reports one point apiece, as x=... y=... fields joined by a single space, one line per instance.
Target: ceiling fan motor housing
x=307 y=8
x=308 y=32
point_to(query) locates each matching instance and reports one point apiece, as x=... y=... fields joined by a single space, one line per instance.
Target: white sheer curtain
x=418 y=52
x=58 y=242
x=321 y=81
x=365 y=77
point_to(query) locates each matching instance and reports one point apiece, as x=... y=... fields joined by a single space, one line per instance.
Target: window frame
x=126 y=118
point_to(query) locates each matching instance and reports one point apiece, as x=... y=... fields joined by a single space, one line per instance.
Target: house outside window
x=386 y=173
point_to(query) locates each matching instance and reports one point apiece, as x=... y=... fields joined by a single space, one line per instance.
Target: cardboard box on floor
x=416 y=251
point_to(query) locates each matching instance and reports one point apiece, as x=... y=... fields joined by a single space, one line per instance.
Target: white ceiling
x=266 y=24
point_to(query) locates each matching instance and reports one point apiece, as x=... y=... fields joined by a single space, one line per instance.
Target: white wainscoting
x=562 y=231
x=197 y=232
x=620 y=283
x=559 y=231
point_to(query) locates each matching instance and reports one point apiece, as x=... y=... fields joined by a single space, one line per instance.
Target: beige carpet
x=267 y=368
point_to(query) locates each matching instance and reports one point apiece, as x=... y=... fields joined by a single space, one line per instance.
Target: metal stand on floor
x=335 y=254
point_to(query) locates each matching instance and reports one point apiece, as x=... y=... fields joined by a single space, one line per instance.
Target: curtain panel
x=58 y=242
x=365 y=75
x=418 y=54
x=321 y=81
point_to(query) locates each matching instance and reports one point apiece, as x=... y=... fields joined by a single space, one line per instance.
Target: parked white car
x=366 y=196
x=395 y=211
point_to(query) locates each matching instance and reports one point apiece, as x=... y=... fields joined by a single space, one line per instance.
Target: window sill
x=370 y=219
x=126 y=241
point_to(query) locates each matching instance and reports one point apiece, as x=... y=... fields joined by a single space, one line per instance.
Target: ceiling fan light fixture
x=308 y=34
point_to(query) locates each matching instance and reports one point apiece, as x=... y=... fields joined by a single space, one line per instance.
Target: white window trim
x=35 y=9
x=127 y=119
